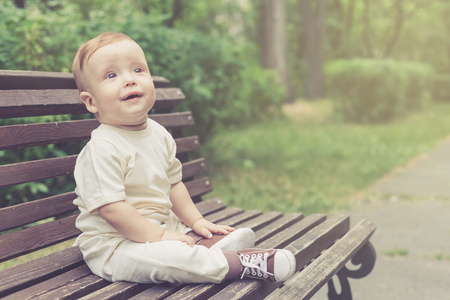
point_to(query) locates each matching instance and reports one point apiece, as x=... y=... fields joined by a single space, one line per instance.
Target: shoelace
x=255 y=264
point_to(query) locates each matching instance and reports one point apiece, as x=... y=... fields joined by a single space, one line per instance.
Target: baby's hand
x=177 y=236
x=206 y=228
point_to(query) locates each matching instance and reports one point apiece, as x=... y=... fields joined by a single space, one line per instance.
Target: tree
x=274 y=42
x=20 y=3
x=176 y=12
x=313 y=23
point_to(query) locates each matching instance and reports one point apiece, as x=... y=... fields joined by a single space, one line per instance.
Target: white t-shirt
x=116 y=164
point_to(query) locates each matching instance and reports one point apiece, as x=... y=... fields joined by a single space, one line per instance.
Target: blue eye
x=111 y=75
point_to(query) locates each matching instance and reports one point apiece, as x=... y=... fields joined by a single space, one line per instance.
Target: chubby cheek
x=154 y=95
x=151 y=92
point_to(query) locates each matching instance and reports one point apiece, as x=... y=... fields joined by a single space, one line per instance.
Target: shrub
x=221 y=79
x=377 y=90
x=440 y=87
x=222 y=86
x=38 y=39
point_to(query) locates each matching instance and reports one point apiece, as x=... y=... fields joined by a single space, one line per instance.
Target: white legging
x=167 y=261
x=119 y=259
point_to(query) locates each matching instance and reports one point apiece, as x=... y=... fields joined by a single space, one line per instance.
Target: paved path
x=412 y=213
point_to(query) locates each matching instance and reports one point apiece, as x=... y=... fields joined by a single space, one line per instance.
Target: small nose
x=129 y=81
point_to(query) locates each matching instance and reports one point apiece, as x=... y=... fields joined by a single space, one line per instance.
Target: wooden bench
x=322 y=246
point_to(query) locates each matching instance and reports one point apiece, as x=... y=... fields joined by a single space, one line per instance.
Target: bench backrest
x=49 y=216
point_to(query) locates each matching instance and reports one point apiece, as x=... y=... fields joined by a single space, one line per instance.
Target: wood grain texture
x=53 y=167
x=28 y=103
x=36 y=170
x=35 y=271
x=31 y=239
x=35 y=80
x=27 y=135
x=26 y=213
x=54 y=282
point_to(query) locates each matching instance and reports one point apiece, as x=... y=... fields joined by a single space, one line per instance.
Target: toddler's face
x=121 y=90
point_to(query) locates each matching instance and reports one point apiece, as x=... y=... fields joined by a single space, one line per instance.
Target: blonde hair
x=89 y=48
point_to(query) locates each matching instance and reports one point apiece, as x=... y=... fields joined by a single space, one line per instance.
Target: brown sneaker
x=273 y=265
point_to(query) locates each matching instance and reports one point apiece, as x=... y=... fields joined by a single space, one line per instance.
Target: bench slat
x=261 y=221
x=295 y=232
x=224 y=214
x=199 y=187
x=306 y=283
x=52 y=167
x=197 y=291
x=74 y=289
x=158 y=291
x=25 y=213
x=26 y=135
x=18 y=136
x=210 y=206
x=37 y=80
x=31 y=239
x=55 y=282
x=322 y=237
x=36 y=170
x=116 y=290
x=194 y=168
x=241 y=218
x=28 y=103
x=39 y=269
x=277 y=226
x=187 y=144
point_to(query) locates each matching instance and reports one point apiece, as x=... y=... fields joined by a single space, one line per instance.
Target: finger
x=219 y=230
x=190 y=241
x=227 y=228
x=206 y=233
x=222 y=229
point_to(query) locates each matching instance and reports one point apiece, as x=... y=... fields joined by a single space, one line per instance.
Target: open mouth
x=131 y=96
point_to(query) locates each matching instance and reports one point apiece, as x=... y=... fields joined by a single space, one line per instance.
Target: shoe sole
x=292 y=263
x=242 y=238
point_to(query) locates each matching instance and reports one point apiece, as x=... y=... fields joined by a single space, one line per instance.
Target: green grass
x=310 y=162
x=396 y=252
x=442 y=256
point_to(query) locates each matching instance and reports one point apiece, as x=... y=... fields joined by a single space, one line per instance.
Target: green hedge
x=377 y=90
x=440 y=87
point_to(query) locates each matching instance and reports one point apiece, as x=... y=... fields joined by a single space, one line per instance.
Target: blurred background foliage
x=216 y=50
x=211 y=67
x=375 y=60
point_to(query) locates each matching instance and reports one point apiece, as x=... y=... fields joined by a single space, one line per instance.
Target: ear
x=88 y=100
